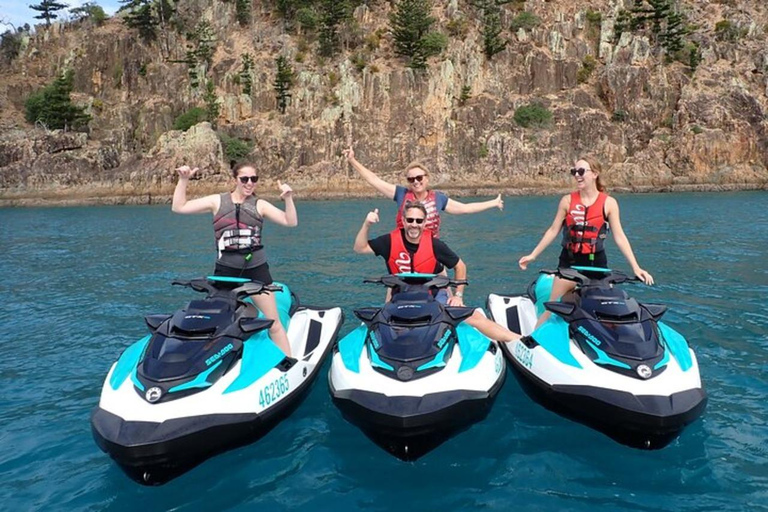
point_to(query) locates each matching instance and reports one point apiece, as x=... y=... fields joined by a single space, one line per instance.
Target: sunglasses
x=414 y=179
x=244 y=179
x=411 y=220
x=578 y=171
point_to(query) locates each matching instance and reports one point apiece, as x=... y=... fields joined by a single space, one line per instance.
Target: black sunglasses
x=413 y=179
x=578 y=170
x=244 y=179
x=411 y=220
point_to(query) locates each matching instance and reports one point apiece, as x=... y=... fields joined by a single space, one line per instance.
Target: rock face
x=655 y=123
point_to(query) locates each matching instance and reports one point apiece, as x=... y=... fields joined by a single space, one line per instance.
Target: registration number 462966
x=273 y=391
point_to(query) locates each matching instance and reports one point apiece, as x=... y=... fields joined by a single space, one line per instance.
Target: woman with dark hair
x=584 y=217
x=238 y=219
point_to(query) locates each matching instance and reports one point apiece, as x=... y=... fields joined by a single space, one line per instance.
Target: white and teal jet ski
x=603 y=358
x=414 y=373
x=208 y=378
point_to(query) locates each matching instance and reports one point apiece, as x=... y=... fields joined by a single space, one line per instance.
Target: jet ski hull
x=153 y=453
x=641 y=413
x=410 y=426
x=639 y=421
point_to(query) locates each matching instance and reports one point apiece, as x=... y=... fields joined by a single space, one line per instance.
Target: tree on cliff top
x=91 y=11
x=53 y=107
x=142 y=17
x=47 y=9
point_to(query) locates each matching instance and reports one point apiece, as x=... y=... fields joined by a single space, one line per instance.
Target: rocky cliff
x=656 y=123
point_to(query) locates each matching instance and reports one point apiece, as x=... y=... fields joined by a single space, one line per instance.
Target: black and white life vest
x=237 y=227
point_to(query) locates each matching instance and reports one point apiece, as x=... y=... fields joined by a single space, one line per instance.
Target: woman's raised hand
x=499 y=202
x=349 y=154
x=185 y=172
x=285 y=189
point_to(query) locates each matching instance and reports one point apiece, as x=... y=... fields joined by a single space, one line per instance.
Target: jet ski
x=413 y=374
x=603 y=358
x=208 y=378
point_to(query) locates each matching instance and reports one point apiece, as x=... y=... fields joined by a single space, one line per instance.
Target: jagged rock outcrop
x=655 y=124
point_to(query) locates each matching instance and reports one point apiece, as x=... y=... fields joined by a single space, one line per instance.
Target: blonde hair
x=594 y=164
x=416 y=164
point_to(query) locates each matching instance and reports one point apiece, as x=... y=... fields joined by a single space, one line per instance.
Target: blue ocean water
x=76 y=283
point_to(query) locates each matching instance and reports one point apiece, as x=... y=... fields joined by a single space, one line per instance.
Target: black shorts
x=582 y=260
x=260 y=273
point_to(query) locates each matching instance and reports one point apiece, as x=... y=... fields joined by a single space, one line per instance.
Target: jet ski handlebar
x=595 y=276
x=204 y=285
x=425 y=280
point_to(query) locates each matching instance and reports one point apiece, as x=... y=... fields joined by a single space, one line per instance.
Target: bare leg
x=559 y=288
x=267 y=304
x=490 y=328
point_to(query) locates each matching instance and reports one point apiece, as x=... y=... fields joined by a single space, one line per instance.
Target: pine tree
x=142 y=17
x=409 y=23
x=283 y=82
x=243 y=12
x=246 y=80
x=333 y=12
x=212 y=107
x=47 y=9
x=672 y=38
x=622 y=24
x=53 y=107
x=491 y=12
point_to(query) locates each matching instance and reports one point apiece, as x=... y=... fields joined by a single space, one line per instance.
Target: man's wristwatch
x=459 y=294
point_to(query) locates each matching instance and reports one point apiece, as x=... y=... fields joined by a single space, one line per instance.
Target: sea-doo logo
x=199 y=317
x=589 y=335
x=644 y=371
x=612 y=303
x=409 y=306
x=153 y=394
x=405 y=373
x=218 y=355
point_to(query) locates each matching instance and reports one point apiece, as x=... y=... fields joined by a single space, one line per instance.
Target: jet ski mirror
x=199 y=285
x=459 y=313
x=366 y=314
x=155 y=321
x=250 y=325
x=655 y=310
x=560 y=308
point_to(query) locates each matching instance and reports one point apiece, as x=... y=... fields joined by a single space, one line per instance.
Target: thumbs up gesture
x=372 y=217
x=285 y=190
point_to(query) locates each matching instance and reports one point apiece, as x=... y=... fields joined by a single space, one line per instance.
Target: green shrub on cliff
x=90 y=11
x=533 y=115
x=53 y=107
x=234 y=148
x=190 y=118
x=525 y=20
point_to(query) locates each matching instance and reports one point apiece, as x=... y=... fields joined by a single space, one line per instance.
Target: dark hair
x=415 y=204
x=237 y=166
x=594 y=164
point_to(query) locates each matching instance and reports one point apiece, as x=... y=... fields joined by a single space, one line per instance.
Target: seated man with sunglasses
x=418 y=190
x=414 y=249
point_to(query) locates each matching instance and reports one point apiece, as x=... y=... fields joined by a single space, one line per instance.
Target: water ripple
x=81 y=279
